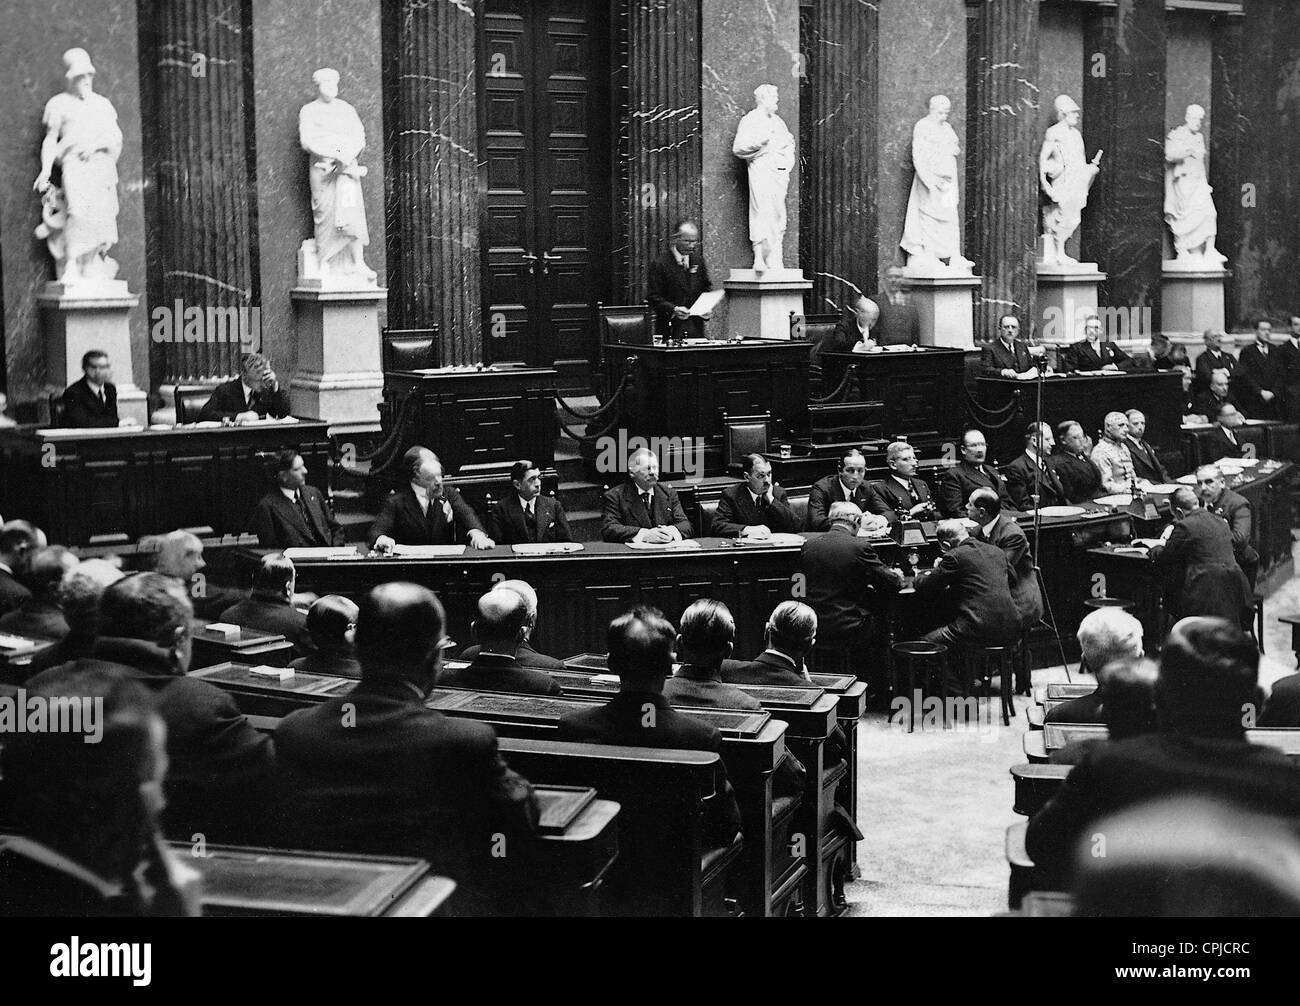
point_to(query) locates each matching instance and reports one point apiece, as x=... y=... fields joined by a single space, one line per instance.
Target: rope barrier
x=840 y=390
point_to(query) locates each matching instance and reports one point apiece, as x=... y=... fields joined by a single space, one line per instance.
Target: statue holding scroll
x=1066 y=175
x=765 y=142
x=932 y=229
x=1189 y=203
x=330 y=130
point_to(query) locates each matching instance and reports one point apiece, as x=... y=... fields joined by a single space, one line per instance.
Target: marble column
x=1124 y=114
x=837 y=132
x=659 y=131
x=199 y=206
x=1003 y=216
x=1228 y=153
x=433 y=199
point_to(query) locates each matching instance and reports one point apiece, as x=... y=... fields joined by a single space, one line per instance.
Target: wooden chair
x=410 y=348
x=190 y=399
x=744 y=435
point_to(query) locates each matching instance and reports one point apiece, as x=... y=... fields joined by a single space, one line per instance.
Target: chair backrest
x=56 y=408
x=410 y=348
x=744 y=435
x=626 y=324
x=190 y=399
x=815 y=327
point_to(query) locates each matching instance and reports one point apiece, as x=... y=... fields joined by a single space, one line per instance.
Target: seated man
x=374 y=771
x=967 y=475
x=331 y=627
x=41 y=616
x=1094 y=354
x=79 y=594
x=219 y=768
x=707 y=636
x=294 y=514
x=847 y=486
x=1079 y=476
x=1106 y=636
x=755 y=508
x=1222 y=440
x=426 y=512
x=1146 y=459
x=1204 y=577
x=979 y=578
x=255 y=394
x=1112 y=459
x=17 y=538
x=1208 y=672
x=1209 y=402
x=89 y=813
x=501 y=626
x=91 y=401
x=853 y=333
x=180 y=556
x=1032 y=473
x=1216 y=497
x=996 y=528
x=1165 y=355
x=525 y=515
x=790 y=633
x=1007 y=356
x=1127 y=706
x=642 y=510
x=640 y=646
x=270 y=607
x=900 y=493
x=526 y=655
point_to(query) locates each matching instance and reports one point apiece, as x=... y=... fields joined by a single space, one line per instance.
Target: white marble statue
x=330 y=130
x=83 y=141
x=1189 y=204
x=1066 y=175
x=764 y=141
x=932 y=229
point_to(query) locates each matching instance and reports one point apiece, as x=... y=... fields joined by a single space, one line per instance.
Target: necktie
x=302 y=507
x=911 y=491
x=761 y=503
x=649 y=500
x=431 y=519
x=100 y=396
x=530 y=520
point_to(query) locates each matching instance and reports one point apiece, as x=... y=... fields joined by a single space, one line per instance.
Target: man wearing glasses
x=1007 y=356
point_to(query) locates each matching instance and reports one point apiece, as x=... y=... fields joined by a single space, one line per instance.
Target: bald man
x=500 y=629
x=526 y=654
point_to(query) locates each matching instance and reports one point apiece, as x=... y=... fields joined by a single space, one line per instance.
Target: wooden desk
x=249 y=647
x=117 y=485
x=685 y=391
x=1087 y=399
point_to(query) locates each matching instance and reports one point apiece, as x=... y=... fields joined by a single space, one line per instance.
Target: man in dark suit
x=375 y=771
x=1007 y=356
x=255 y=394
x=1031 y=472
x=525 y=515
x=846 y=487
x=41 y=615
x=1222 y=440
x=220 y=768
x=180 y=556
x=1093 y=354
x=706 y=639
x=754 y=508
x=900 y=494
x=17 y=538
x=676 y=280
x=1146 y=459
x=1282 y=707
x=640 y=644
x=525 y=655
x=1259 y=374
x=1216 y=497
x=967 y=475
x=1208 y=672
x=331 y=627
x=1204 y=575
x=978 y=577
x=1106 y=636
x=1213 y=357
x=427 y=512
x=1207 y=403
x=294 y=514
x=1079 y=476
x=501 y=626
x=1288 y=362
x=270 y=607
x=855 y=331
x=843 y=578
x=1125 y=702
x=996 y=528
x=790 y=634
x=91 y=401
x=642 y=510
x=900 y=322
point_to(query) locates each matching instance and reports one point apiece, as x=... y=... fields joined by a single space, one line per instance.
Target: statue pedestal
x=1191 y=298
x=340 y=376
x=946 y=305
x=87 y=316
x=759 y=304
x=1067 y=294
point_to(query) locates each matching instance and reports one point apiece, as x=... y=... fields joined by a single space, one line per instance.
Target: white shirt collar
x=5 y=566
x=755 y=497
x=905 y=483
x=848 y=493
x=248 y=392
x=523 y=504
x=421 y=494
x=290 y=494
x=988 y=528
x=682 y=260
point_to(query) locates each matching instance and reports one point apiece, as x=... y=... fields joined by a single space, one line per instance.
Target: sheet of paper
x=706 y=302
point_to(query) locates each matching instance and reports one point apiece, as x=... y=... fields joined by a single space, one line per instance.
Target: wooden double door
x=544 y=122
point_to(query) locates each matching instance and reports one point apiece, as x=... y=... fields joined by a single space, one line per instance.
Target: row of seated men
x=1176 y=729
x=256 y=393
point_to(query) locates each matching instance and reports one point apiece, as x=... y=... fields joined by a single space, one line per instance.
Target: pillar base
x=340 y=376
x=1191 y=300
x=946 y=305
x=88 y=316
x=759 y=304
x=1067 y=294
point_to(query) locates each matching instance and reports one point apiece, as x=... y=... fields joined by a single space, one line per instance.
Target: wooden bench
x=1039 y=744
x=249 y=647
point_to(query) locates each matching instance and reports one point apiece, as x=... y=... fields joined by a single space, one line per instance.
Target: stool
x=931 y=657
x=990 y=660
